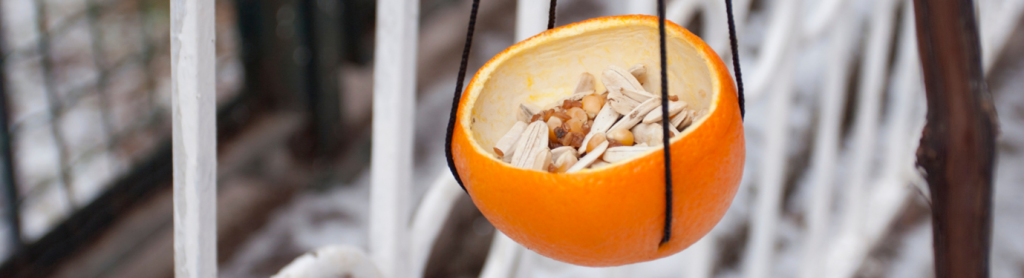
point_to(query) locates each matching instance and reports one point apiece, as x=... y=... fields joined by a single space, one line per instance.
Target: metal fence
x=88 y=98
x=87 y=93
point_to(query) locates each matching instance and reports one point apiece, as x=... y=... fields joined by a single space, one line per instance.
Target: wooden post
x=391 y=166
x=958 y=145
x=193 y=104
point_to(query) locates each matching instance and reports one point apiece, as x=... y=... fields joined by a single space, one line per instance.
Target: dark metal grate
x=87 y=90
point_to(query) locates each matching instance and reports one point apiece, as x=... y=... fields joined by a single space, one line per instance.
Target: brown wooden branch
x=957 y=148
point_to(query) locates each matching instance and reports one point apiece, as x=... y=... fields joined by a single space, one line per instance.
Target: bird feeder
x=616 y=214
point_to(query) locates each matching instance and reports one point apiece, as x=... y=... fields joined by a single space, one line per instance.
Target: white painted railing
x=826 y=148
x=394 y=99
x=771 y=74
x=193 y=102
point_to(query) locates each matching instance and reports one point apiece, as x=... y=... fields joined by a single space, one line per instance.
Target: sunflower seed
x=645 y=133
x=604 y=120
x=639 y=71
x=674 y=107
x=565 y=161
x=599 y=164
x=541 y=159
x=585 y=83
x=637 y=114
x=616 y=77
x=506 y=145
x=637 y=95
x=681 y=120
x=588 y=159
x=620 y=102
x=533 y=139
x=526 y=111
x=651 y=134
x=557 y=152
x=616 y=154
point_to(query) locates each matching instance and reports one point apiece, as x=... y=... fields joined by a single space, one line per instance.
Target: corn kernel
x=595 y=141
x=579 y=114
x=592 y=105
x=622 y=135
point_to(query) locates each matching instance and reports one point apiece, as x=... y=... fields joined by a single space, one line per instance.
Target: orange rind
x=612 y=215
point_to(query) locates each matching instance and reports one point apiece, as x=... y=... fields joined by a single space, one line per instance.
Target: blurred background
x=86 y=152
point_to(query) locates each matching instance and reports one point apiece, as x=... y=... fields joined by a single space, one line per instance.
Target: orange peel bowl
x=612 y=215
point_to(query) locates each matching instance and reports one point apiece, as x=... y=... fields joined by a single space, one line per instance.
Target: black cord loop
x=462 y=77
x=735 y=59
x=458 y=95
x=665 y=137
x=551 y=15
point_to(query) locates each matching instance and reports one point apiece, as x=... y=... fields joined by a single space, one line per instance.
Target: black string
x=665 y=137
x=735 y=59
x=667 y=231
x=458 y=86
x=551 y=15
x=458 y=95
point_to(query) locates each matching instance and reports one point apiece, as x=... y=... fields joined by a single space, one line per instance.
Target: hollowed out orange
x=612 y=215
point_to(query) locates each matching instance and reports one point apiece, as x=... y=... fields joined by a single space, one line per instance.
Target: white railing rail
x=391 y=169
x=193 y=103
x=826 y=147
x=331 y=261
x=430 y=218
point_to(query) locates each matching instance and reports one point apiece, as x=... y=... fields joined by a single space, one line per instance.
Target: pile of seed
x=589 y=129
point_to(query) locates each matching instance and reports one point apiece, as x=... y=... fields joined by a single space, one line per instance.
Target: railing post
x=531 y=18
x=391 y=167
x=193 y=103
x=649 y=7
x=872 y=84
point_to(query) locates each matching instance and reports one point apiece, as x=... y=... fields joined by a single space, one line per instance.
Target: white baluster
x=891 y=190
x=193 y=103
x=331 y=262
x=872 y=74
x=503 y=257
x=765 y=217
x=826 y=146
x=391 y=168
x=531 y=18
x=430 y=218
x=648 y=7
x=782 y=31
x=699 y=258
